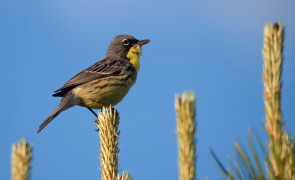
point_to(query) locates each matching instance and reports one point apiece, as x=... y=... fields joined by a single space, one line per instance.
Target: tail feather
x=66 y=102
x=53 y=115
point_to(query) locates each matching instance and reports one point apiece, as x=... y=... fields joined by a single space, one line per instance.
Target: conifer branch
x=108 y=123
x=21 y=157
x=186 y=128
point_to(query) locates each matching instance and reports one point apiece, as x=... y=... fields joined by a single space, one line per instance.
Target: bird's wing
x=99 y=70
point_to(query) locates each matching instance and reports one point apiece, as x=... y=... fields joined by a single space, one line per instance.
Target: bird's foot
x=96 y=122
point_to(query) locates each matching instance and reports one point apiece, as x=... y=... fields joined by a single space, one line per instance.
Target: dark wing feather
x=101 y=69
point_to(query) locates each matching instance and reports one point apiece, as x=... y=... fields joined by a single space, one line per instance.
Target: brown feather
x=102 y=69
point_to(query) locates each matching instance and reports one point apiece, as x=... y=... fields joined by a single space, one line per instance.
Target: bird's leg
x=92 y=111
x=96 y=114
x=112 y=110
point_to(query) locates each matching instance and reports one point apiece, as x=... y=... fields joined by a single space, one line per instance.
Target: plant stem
x=186 y=128
x=21 y=160
x=273 y=57
x=108 y=123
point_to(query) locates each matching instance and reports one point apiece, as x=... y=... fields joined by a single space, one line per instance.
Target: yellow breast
x=133 y=56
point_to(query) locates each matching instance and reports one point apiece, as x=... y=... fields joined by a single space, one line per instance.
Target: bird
x=104 y=83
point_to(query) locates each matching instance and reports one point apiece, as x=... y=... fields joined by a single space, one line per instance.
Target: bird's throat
x=133 y=56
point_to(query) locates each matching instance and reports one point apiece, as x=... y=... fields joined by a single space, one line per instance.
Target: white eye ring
x=125 y=42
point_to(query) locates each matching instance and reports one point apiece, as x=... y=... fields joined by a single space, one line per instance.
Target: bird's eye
x=125 y=42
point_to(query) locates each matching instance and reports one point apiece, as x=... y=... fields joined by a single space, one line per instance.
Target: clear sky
x=211 y=47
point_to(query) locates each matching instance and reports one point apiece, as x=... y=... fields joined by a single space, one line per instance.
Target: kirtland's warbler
x=105 y=82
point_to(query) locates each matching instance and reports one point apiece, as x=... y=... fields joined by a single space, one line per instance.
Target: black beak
x=143 y=42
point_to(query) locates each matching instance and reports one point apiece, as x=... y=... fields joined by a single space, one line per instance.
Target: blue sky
x=211 y=47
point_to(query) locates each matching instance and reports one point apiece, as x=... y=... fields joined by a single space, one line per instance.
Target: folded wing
x=99 y=70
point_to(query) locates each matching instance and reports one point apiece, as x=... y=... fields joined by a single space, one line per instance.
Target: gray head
x=121 y=44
